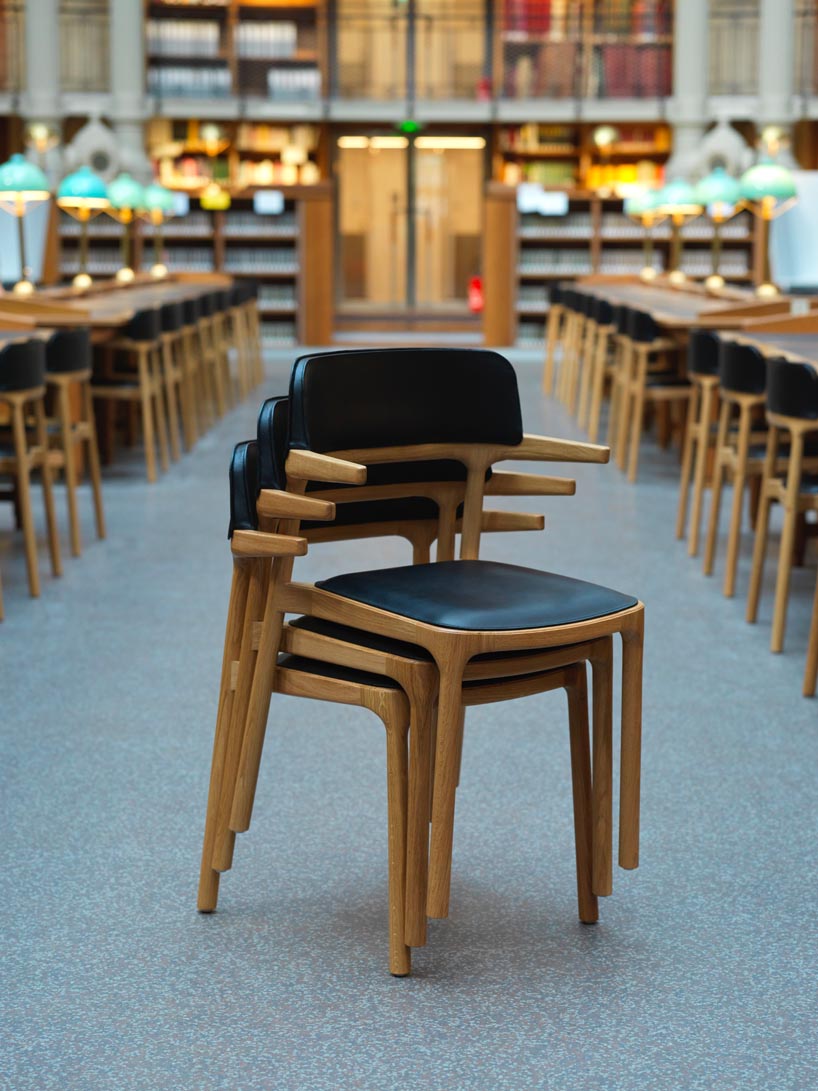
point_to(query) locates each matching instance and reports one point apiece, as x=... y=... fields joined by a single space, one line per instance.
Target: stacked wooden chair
x=703 y=350
x=434 y=628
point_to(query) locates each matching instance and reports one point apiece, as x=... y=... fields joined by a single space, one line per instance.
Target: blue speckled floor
x=701 y=975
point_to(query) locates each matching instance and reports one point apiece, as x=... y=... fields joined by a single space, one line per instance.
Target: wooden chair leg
x=577 y=693
x=168 y=382
x=782 y=586
x=631 y=743
x=762 y=526
x=160 y=417
x=93 y=459
x=636 y=430
x=811 y=668
x=602 y=793
x=208 y=876
x=691 y=436
x=417 y=850
x=739 y=478
x=551 y=341
x=624 y=409
x=23 y=480
x=148 y=431
x=719 y=471
x=46 y=482
x=445 y=784
x=69 y=469
x=586 y=377
x=702 y=452
x=598 y=387
x=400 y=956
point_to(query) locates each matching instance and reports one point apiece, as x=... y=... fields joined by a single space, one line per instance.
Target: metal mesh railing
x=451 y=50
x=12 y=46
x=734 y=47
x=806 y=49
x=84 y=62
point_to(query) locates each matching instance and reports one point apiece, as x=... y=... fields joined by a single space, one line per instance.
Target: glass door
x=409 y=222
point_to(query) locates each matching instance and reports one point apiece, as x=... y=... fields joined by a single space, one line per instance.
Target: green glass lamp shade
x=678 y=197
x=718 y=188
x=18 y=176
x=639 y=203
x=156 y=198
x=82 y=189
x=767 y=179
x=125 y=193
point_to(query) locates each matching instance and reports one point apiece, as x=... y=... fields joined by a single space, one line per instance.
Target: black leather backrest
x=69 y=350
x=586 y=304
x=206 y=304
x=555 y=293
x=172 y=317
x=144 y=326
x=222 y=300
x=22 y=366
x=703 y=350
x=192 y=310
x=603 y=312
x=742 y=368
x=395 y=397
x=622 y=318
x=792 y=389
x=244 y=487
x=271 y=432
x=642 y=328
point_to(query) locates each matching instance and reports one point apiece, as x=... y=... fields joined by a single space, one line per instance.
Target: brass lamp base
x=23 y=287
x=677 y=277
x=647 y=273
x=125 y=275
x=767 y=291
x=82 y=280
x=714 y=282
x=159 y=271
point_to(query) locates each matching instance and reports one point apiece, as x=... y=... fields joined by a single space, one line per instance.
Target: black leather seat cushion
x=331 y=670
x=474 y=595
x=393 y=397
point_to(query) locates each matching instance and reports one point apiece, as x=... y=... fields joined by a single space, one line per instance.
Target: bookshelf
x=264 y=49
x=288 y=254
x=593 y=236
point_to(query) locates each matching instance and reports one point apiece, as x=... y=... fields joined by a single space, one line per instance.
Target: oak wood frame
x=452 y=649
x=704 y=390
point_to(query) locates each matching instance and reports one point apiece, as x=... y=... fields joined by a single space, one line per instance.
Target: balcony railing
x=734 y=47
x=12 y=46
x=806 y=49
x=84 y=45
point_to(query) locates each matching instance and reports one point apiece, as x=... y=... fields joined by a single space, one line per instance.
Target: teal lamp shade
x=767 y=179
x=158 y=199
x=21 y=180
x=82 y=190
x=639 y=203
x=718 y=189
x=125 y=193
x=678 y=198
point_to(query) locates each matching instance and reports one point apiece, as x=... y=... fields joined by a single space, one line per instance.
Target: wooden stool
x=68 y=365
x=554 y=333
x=140 y=386
x=22 y=389
x=702 y=370
x=792 y=407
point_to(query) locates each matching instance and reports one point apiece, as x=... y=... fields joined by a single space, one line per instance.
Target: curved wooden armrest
x=503 y=483
x=548 y=449
x=255 y=543
x=275 y=504
x=311 y=466
x=511 y=520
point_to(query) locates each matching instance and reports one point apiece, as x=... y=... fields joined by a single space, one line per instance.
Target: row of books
x=270 y=172
x=277 y=333
x=273 y=296
x=183 y=38
x=575 y=225
x=251 y=223
x=554 y=70
x=176 y=81
x=278 y=259
x=574 y=262
x=273 y=139
x=294 y=84
x=266 y=40
x=556 y=18
x=198 y=259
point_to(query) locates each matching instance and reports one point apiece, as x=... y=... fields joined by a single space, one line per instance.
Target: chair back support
x=172 y=317
x=356 y=400
x=603 y=312
x=556 y=293
x=22 y=366
x=742 y=369
x=642 y=327
x=244 y=487
x=144 y=326
x=792 y=389
x=703 y=350
x=68 y=350
x=192 y=310
x=622 y=318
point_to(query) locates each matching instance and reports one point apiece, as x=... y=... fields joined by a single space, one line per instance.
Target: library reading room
x=408 y=545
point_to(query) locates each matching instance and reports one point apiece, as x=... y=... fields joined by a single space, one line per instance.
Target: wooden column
x=500 y=265
x=316 y=287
